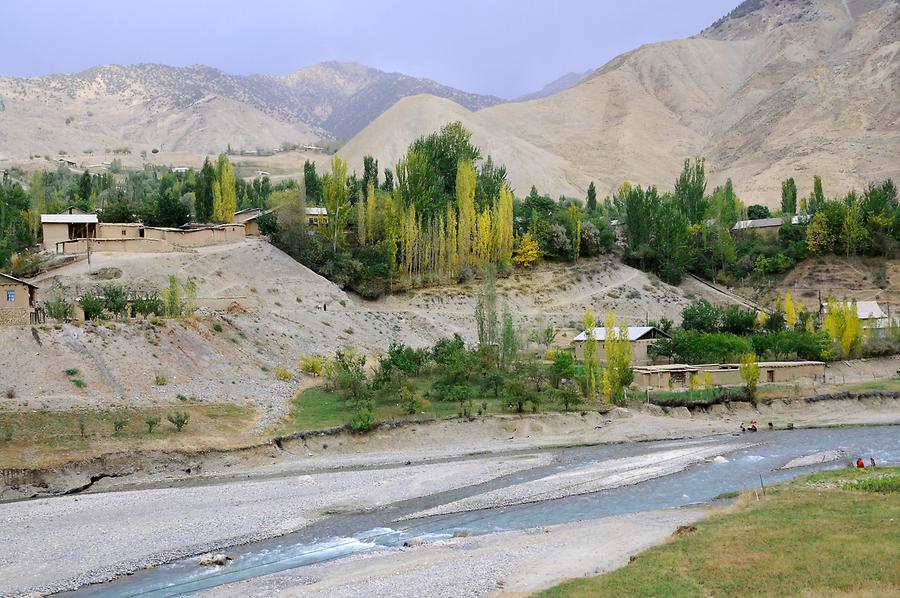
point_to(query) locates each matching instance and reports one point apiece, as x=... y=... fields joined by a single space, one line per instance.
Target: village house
x=316 y=216
x=767 y=227
x=59 y=228
x=678 y=376
x=17 y=302
x=871 y=316
x=641 y=338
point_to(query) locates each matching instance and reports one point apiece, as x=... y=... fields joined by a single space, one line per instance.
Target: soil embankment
x=396 y=444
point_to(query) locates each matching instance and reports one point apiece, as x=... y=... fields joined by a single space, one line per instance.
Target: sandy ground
x=61 y=543
x=504 y=564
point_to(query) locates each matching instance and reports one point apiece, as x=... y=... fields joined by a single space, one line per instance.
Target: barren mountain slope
x=199 y=108
x=778 y=89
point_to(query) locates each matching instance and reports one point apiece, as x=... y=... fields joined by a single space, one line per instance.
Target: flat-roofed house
x=641 y=337
x=767 y=227
x=17 y=304
x=58 y=228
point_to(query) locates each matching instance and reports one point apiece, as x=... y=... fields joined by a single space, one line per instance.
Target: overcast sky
x=501 y=47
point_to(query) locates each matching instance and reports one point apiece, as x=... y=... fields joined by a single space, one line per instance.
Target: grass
x=815 y=536
x=45 y=438
x=316 y=408
x=875 y=386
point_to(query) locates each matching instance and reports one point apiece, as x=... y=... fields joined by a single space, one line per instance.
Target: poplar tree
x=204 y=194
x=361 y=222
x=790 y=312
x=591 y=203
x=371 y=211
x=789 y=196
x=589 y=356
x=336 y=198
x=224 y=193
x=37 y=196
x=465 y=205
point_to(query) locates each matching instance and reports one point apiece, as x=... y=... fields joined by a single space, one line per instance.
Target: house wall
x=638 y=352
x=107 y=230
x=123 y=245
x=726 y=376
x=241 y=218
x=15 y=312
x=251 y=228
x=54 y=232
x=199 y=237
x=768 y=232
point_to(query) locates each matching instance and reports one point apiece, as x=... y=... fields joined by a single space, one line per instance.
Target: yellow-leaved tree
x=750 y=375
x=527 y=251
x=224 y=192
x=843 y=326
x=617 y=348
x=465 y=206
x=790 y=312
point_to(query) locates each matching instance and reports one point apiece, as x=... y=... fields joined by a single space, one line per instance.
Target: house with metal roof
x=640 y=337
x=870 y=314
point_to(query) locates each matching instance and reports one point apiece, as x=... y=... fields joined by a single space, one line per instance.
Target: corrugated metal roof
x=316 y=211
x=68 y=219
x=634 y=333
x=20 y=281
x=866 y=310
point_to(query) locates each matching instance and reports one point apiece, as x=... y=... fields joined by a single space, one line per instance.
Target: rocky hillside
x=198 y=108
x=775 y=89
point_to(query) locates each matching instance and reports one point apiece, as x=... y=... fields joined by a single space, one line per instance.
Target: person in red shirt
x=860 y=464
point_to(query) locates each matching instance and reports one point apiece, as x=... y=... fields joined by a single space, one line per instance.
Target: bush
x=179 y=419
x=119 y=422
x=148 y=304
x=363 y=419
x=283 y=374
x=217 y=327
x=312 y=364
x=72 y=372
x=114 y=300
x=160 y=380
x=92 y=306
x=10 y=393
x=58 y=308
x=888 y=484
x=152 y=421
x=79 y=383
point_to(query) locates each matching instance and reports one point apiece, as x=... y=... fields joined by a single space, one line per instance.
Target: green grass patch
x=892 y=384
x=316 y=408
x=810 y=537
x=886 y=484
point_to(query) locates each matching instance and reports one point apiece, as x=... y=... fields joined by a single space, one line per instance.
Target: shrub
x=363 y=419
x=72 y=372
x=10 y=393
x=82 y=424
x=58 y=308
x=160 y=380
x=217 y=327
x=114 y=300
x=312 y=364
x=888 y=484
x=6 y=433
x=79 y=383
x=148 y=304
x=179 y=419
x=92 y=306
x=283 y=374
x=119 y=422
x=152 y=421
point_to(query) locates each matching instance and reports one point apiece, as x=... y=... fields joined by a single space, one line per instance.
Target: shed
x=58 y=228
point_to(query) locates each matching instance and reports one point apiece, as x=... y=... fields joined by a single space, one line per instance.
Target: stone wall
x=14 y=316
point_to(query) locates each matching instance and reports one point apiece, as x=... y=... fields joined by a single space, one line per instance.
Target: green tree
x=312 y=183
x=589 y=356
x=690 y=190
x=789 y=196
x=819 y=240
x=204 y=194
x=817 y=197
x=591 y=203
x=509 y=342
x=562 y=368
x=336 y=199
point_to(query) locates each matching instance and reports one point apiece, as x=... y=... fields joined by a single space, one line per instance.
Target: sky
x=501 y=47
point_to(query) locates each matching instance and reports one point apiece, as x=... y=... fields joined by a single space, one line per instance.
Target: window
x=123 y=232
x=10 y=296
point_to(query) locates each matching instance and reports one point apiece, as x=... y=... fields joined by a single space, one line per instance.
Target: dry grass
x=46 y=438
x=810 y=538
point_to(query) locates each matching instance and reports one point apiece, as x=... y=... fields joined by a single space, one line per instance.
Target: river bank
x=435 y=441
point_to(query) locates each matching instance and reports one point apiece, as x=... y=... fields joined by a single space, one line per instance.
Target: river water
x=344 y=535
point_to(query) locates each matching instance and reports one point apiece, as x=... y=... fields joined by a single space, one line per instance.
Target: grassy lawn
x=43 y=437
x=875 y=386
x=834 y=533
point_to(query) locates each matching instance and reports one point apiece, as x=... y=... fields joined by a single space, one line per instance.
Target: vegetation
x=817 y=536
x=179 y=419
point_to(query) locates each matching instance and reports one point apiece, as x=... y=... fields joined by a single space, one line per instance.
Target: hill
x=776 y=89
x=557 y=85
x=275 y=316
x=198 y=108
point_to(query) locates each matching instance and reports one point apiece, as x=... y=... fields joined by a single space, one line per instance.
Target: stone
x=651 y=409
x=680 y=412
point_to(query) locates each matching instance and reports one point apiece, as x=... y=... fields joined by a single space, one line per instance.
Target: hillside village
x=352 y=332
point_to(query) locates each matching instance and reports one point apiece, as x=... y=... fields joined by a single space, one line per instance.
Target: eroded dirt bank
x=437 y=440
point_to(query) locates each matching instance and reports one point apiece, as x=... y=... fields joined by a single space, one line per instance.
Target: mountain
x=198 y=108
x=776 y=89
x=557 y=85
